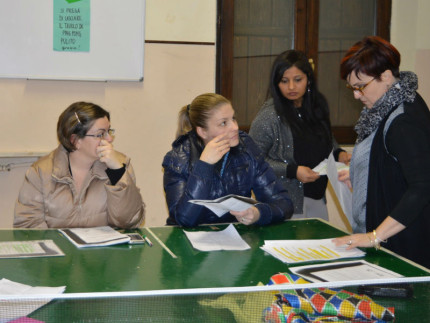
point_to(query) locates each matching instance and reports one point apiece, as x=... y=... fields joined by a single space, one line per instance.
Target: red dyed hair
x=371 y=56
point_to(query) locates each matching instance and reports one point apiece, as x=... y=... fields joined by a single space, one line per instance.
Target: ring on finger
x=349 y=242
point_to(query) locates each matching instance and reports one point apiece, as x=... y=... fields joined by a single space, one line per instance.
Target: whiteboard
x=116 y=42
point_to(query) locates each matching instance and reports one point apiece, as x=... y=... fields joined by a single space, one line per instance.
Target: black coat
x=399 y=180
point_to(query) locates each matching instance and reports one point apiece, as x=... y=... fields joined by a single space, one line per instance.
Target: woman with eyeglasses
x=293 y=130
x=82 y=183
x=390 y=165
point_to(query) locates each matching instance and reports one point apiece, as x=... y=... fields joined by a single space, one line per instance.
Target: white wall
x=184 y=20
x=410 y=28
x=144 y=114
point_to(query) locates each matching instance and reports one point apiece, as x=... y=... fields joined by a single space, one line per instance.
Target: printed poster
x=72 y=25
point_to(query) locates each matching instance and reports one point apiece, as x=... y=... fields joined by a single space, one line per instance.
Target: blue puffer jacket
x=186 y=177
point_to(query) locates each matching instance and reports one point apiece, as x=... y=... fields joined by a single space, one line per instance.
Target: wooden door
x=251 y=33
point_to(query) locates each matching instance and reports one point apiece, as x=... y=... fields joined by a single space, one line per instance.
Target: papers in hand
x=296 y=251
x=321 y=168
x=94 y=237
x=227 y=239
x=341 y=190
x=227 y=203
x=344 y=271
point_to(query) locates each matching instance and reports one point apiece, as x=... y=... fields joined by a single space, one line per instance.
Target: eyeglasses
x=358 y=89
x=103 y=135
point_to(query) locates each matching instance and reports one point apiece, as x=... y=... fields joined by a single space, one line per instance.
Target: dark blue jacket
x=186 y=177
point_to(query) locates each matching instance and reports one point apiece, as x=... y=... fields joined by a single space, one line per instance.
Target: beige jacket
x=48 y=197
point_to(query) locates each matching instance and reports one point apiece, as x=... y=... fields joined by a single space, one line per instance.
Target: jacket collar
x=60 y=167
x=192 y=146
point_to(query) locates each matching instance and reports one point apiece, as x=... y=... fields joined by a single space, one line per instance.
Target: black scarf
x=402 y=90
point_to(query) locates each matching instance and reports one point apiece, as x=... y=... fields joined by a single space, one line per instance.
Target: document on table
x=296 y=251
x=227 y=239
x=14 y=308
x=30 y=248
x=94 y=237
x=344 y=271
x=225 y=204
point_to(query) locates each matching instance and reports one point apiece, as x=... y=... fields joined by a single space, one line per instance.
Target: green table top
x=141 y=267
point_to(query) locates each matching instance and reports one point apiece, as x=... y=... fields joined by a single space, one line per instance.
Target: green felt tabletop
x=141 y=267
x=145 y=268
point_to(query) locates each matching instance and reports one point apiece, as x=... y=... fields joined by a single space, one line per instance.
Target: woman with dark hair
x=211 y=158
x=82 y=183
x=389 y=170
x=293 y=131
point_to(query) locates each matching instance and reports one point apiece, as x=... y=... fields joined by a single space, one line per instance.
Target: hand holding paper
x=343 y=193
x=321 y=168
x=226 y=204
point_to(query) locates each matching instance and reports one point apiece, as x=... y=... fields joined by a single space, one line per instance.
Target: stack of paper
x=94 y=237
x=30 y=248
x=296 y=251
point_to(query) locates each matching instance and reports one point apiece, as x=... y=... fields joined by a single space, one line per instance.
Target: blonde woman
x=212 y=158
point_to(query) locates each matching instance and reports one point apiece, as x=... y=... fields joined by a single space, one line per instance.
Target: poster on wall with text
x=71 y=25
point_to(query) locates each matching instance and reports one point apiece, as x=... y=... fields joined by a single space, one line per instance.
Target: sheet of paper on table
x=344 y=271
x=227 y=239
x=29 y=248
x=296 y=251
x=14 y=308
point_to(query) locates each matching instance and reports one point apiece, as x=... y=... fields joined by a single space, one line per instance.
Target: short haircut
x=77 y=119
x=371 y=56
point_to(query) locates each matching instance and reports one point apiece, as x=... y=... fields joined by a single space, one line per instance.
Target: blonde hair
x=198 y=112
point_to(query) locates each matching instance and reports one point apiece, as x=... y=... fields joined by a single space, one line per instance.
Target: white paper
x=227 y=239
x=344 y=271
x=13 y=309
x=321 y=168
x=29 y=248
x=225 y=204
x=343 y=193
x=94 y=237
x=296 y=251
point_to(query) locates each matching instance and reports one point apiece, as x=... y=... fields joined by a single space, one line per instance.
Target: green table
x=125 y=268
